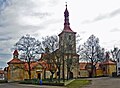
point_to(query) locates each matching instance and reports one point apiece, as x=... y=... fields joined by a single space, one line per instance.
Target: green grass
x=78 y=83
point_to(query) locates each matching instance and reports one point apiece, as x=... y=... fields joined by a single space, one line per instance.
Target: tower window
x=119 y=69
x=118 y=59
x=69 y=37
x=70 y=47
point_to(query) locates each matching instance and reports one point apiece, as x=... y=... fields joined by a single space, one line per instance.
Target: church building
x=65 y=59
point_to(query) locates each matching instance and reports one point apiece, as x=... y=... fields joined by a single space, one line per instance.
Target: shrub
x=3 y=81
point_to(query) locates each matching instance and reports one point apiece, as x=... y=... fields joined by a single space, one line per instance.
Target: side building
x=18 y=70
x=118 y=63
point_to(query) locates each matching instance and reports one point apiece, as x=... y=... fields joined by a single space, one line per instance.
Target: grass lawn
x=78 y=83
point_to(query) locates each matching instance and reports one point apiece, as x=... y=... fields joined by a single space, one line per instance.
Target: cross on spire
x=66 y=4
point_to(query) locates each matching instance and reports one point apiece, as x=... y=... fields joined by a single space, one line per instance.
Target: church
x=63 y=63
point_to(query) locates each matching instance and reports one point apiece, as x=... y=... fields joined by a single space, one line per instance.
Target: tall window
x=118 y=59
x=69 y=37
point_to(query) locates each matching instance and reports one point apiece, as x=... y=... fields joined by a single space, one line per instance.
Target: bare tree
x=49 y=46
x=91 y=52
x=29 y=47
x=51 y=42
x=114 y=53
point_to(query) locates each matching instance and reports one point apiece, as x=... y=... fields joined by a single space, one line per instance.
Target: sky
x=41 y=18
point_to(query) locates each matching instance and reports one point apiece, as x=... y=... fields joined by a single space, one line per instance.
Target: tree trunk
x=92 y=68
x=52 y=76
x=59 y=73
x=29 y=70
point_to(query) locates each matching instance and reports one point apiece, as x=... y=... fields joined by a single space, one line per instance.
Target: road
x=16 y=85
x=104 y=82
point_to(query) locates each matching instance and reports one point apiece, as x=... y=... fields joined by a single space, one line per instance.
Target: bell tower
x=67 y=47
x=67 y=38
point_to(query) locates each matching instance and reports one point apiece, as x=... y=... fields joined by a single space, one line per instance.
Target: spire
x=66 y=17
x=15 y=54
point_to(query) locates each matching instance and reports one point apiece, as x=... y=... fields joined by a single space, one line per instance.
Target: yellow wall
x=111 y=69
x=15 y=72
x=99 y=72
x=84 y=73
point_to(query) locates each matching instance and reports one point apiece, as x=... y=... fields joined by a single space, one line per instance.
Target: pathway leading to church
x=104 y=82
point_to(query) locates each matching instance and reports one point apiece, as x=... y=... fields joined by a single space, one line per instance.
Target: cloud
x=115 y=30
x=114 y=13
x=103 y=16
x=5 y=38
x=4 y=4
x=21 y=17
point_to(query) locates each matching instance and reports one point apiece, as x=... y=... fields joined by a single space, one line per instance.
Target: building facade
x=118 y=63
x=106 y=68
x=18 y=70
x=62 y=63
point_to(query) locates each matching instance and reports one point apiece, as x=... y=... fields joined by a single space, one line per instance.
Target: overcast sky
x=41 y=18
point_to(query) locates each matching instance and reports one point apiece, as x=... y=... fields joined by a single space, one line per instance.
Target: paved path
x=104 y=82
x=16 y=85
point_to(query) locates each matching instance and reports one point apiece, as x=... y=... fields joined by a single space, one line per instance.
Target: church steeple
x=66 y=17
x=66 y=21
x=15 y=54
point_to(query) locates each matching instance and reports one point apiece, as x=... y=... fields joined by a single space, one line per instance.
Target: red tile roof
x=15 y=61
x=109 y=62
x=67 y=29
x=84 y=64
x=34 y=64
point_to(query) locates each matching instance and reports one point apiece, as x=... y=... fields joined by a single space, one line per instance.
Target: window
x=118 y=59
x=69 y=37
x=119 y=68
